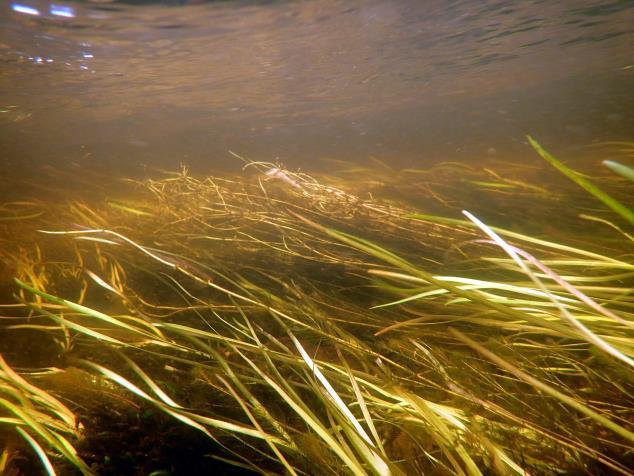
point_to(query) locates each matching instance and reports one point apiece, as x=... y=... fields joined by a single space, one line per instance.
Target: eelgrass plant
x=37 y=417
x=303 y=329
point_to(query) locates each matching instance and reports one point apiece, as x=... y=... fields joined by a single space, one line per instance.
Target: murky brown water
x=405 y=81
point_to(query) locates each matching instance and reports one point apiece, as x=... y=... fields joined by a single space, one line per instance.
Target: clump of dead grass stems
x=307 y=330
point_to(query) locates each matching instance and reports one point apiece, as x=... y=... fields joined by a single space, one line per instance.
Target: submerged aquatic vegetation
x=297 y=327
x=39 y=418
x=615 y=205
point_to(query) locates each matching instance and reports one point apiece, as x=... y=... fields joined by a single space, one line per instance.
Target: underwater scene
x=318 y=237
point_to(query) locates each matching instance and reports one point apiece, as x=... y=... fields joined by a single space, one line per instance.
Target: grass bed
x=275 y=323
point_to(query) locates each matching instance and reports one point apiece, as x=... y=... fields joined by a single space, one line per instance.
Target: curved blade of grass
x=257 y=425
x=519 y=236
x=143 y=249
x=310 y=420
x=620 y=169
x=389 y=257
x=189 y=418
x=128 y=209
x=65 y=323
x=137 y=391
x=377 y=462
x=53 y=403
x=580 y=407
x=591 y=188
x=608 y=223
x=586 y=333
x=361 y=401
x=229 y=426
x=150 y=383
x=87 y=311
x=260 y=409
x=53 y=439
x=477 y=285
x=446 y=439
x=41 y=454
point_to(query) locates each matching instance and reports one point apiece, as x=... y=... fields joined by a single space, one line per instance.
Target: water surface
x=409 y=82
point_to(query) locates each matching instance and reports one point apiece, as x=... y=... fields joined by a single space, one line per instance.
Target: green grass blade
x=51 y=402
x=256 y=424
x=519 y=236
x=580 y=407
x=310 y=420
x=615 y=205
x=84 y=310
x=389 y=257
x=586 y=333
x=620 y=169
x=372 y=456
x=41 y=454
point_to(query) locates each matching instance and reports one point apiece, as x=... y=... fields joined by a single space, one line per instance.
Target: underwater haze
x=160 y=83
